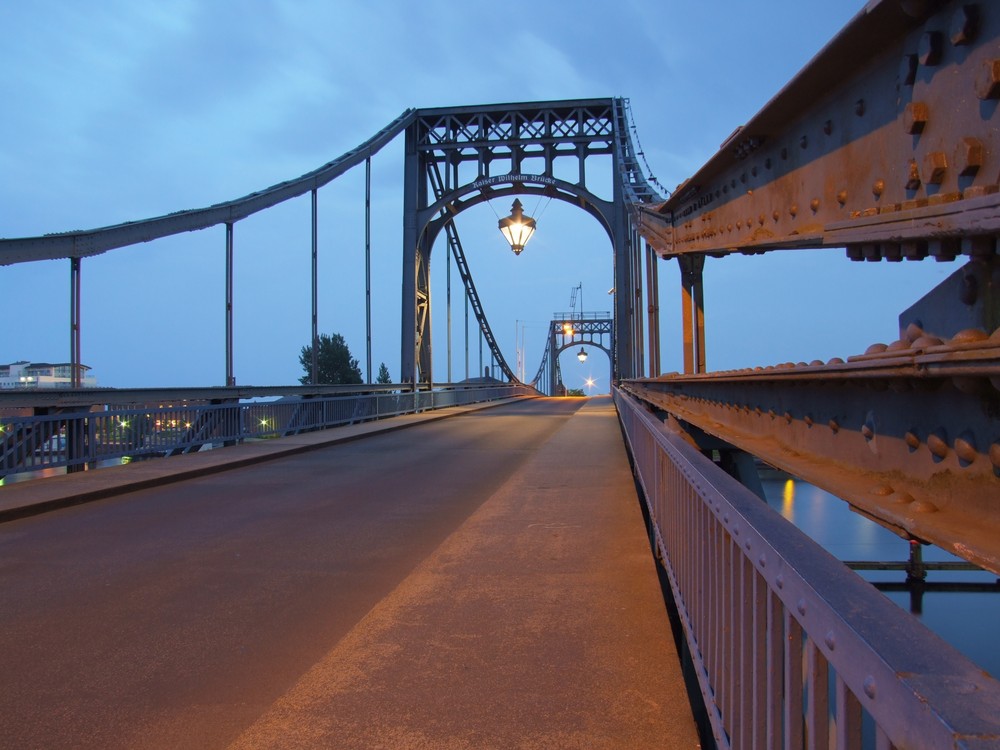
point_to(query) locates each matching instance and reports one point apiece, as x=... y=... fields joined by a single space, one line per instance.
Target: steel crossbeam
x=886 y=144
x=907 y=434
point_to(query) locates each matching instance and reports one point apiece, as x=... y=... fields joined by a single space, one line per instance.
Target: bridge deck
x=479 y=582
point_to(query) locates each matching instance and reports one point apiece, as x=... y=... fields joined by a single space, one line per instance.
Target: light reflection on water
x=968 y=621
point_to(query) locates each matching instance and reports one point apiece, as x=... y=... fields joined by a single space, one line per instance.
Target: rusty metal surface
x=886 y=143
x=907 y=433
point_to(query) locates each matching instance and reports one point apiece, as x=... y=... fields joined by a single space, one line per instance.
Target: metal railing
x=93 y=435
x=789 y=647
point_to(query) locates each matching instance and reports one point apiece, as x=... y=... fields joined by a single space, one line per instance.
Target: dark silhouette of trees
x=335 y=365
x=383 y=375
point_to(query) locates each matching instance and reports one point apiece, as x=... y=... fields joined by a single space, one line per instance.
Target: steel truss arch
x=509 y=135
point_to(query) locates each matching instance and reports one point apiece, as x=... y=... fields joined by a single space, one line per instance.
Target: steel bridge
x=885 y=144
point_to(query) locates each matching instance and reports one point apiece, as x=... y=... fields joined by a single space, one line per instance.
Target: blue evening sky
x=122 y=110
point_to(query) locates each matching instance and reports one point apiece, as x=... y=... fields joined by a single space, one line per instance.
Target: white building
x=42 y=375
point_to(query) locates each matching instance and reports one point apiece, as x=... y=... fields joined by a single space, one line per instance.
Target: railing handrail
x=93 y=433
x=920 y=691
x=570 y=316
x=67 y=397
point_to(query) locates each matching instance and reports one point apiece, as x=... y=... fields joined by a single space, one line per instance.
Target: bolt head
x=969 y=156
x=988 y=80
x=929 y=49
x=935 y=167
x=915 y=117
x=964 y=25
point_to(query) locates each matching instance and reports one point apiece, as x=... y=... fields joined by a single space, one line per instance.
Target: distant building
x=42 y=375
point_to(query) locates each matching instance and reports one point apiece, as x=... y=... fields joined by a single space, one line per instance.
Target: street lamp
x=517 y=228
x=582 y=354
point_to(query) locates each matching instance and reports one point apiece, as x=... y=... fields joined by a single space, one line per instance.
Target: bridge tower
x=492 y=143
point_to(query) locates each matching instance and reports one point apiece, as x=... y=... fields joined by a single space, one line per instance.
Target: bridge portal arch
x=494 y=143
x=594 y=330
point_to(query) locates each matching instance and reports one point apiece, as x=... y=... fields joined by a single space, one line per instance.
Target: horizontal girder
x=886 y=143
x=583 y=121
x=907 y=434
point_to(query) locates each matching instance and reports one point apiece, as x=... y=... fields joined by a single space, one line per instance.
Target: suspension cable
x=639 y=152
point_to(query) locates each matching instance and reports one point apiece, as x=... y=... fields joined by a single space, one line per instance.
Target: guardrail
x=789 y=647
x=90 y=433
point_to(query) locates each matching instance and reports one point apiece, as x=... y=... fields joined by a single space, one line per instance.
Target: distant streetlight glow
x=582 y=354
x=517 y=228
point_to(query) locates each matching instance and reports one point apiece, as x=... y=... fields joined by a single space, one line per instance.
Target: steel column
x=653 y=310
x=623 y=365
x=466 y=334
x=553 y=353
x=74 y=323
x=230 y=379
x=638 y=333
x=368 y=264
x=412 y=175
x=448 y=305
x=693 y=312
x=314 y=365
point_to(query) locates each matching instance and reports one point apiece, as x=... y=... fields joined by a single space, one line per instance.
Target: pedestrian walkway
x=539 y=623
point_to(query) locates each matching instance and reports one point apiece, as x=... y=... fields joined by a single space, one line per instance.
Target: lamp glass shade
x=582 y=354
x=517 y=228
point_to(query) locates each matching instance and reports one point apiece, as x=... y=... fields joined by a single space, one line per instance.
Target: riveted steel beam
x=908 y=433
x=887 y=143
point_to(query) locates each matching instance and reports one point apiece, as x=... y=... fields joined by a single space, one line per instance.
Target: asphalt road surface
x=175 y=616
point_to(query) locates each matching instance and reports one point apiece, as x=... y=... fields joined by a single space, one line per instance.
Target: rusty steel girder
x=908 y=434
x=886 y=143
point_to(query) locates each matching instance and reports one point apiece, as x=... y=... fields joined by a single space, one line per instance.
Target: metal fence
x=91 y=436
x=789 y=647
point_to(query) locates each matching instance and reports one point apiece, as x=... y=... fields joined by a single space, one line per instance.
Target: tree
x=335 y=365
x=383 y=374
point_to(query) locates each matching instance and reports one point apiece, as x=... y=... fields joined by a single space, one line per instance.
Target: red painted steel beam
x=907 y=434
x=887 y=143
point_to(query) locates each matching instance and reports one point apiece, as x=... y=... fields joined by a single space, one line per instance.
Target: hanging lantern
x=517 y=228
x=582 y=354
